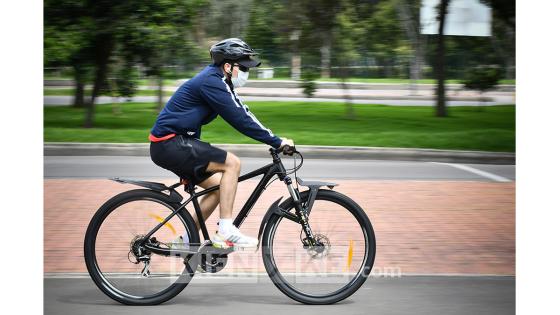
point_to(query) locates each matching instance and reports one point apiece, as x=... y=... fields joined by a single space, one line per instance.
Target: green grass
x=467 y=128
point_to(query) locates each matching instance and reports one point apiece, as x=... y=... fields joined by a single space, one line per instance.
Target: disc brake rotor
x=321 y=248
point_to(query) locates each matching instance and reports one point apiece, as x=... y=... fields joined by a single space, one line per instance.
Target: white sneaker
x=234 y=239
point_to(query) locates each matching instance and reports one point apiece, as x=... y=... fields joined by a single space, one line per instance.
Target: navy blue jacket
x=199 y=100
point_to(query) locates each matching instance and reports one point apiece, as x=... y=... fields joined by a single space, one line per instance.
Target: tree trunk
x=416 y=70
x=388 y=68
x=103 y=48
x=413 y=34
x=160 y=93
x=326 y=56
x=350 y=112
x=79 y=87
x=116 y=104
x=296 y=67
x=441 y=110
x=199 y=30
x=295 y=72
x=79 y=94
x=510 y=61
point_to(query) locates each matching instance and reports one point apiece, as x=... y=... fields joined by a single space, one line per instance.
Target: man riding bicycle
x=175 y=138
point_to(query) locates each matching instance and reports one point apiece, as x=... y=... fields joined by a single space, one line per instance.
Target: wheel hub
x=321 y=248
x=140 y=253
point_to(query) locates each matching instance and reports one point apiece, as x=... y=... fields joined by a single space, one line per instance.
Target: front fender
x=275 y=209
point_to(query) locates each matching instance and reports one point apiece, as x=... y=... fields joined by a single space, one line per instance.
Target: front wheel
x=339 y=262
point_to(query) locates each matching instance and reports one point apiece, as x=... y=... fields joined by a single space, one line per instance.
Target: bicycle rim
x=118 y=267
x=314 y=273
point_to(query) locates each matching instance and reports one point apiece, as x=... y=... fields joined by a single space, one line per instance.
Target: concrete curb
x=313 y=152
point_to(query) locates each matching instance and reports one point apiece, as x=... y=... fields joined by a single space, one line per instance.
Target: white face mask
x=241 y=79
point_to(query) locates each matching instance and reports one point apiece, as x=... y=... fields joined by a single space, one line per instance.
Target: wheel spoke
x=112 y=260
x=327 y=271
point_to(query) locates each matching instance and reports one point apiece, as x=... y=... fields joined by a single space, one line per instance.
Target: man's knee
x=233 y=162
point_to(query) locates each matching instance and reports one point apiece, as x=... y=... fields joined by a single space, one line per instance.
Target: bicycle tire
x=349 y=289
x=90 y=239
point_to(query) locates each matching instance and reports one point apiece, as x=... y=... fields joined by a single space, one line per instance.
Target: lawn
x=468 y=128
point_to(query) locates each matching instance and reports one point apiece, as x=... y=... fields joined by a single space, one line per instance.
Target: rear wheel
x=339 y=262
x=125 y=271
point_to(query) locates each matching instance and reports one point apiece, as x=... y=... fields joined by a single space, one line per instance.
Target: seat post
x=189 y=187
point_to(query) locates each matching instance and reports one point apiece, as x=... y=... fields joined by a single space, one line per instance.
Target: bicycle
x=318 y=246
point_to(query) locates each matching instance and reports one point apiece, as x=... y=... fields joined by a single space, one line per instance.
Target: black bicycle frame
x=274 y=168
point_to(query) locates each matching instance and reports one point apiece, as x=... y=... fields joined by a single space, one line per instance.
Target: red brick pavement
x=421 y=226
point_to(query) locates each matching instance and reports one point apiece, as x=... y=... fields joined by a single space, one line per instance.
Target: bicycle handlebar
x=286 y=150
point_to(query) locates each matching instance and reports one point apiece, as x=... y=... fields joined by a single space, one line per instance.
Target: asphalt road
x=143 y=168
x=449 y=295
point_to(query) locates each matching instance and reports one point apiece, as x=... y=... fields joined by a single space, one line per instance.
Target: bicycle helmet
x=234 y=49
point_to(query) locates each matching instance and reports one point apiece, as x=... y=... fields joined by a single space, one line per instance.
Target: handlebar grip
x=288 y=150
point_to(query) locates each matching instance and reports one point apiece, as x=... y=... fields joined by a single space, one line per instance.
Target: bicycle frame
x=274 y=168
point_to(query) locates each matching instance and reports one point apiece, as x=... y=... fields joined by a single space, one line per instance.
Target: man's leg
x=210 y=201
x=228 y=183
x=228 y=235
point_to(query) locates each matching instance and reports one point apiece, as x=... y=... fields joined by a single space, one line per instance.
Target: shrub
x=308 y=77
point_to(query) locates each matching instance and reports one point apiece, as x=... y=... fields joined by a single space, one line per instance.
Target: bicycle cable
x=290 y=171
x=295 y=170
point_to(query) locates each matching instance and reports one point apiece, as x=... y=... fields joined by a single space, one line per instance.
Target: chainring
x=213 y=263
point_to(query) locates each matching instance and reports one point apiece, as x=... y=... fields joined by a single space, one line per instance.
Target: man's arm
x=218 y=95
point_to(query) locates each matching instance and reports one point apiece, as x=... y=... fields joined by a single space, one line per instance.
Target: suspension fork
x=300 y=212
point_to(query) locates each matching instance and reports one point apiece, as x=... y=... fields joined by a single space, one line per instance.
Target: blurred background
x=348 y=52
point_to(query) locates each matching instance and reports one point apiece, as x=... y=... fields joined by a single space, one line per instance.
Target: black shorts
x=187 y=157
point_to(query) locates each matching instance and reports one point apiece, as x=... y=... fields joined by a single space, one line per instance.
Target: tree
x=308 y=77
x=348 y=32
x=322 y=16
x=504 y=9
x=409 y=16
x=290 y=22
x=441 y=110
x=150 y=31
x=261 y=33
x=503 y=33
x=482 y=78
x=159 y=35
x=67 y=41
x=385 y=35
x=227 y=18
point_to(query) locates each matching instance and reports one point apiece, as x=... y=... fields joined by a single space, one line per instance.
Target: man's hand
x=286 y=141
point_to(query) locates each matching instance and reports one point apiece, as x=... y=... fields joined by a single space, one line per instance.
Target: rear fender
x=174 y=196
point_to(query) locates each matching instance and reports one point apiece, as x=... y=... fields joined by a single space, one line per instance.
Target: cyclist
x=175 y=138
